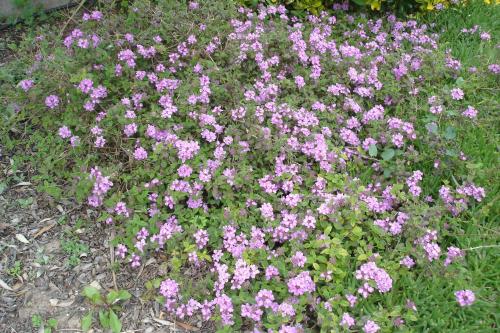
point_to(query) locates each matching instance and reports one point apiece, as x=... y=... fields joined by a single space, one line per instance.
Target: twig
x=71 y=18
x=481 y=247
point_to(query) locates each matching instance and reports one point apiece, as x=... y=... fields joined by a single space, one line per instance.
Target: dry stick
x=112 y=255
x=71 y=18
x=482 y=247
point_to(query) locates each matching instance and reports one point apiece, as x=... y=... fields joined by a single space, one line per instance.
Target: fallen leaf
x=17 y=286
x=5 y=285
x=4 y=226
x=22 y=184
x=96 y=285
x=61 y=304
x=187 y=326
x=150 y=261
x=22 y=239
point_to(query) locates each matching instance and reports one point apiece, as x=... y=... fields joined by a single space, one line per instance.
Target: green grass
x=437 y=308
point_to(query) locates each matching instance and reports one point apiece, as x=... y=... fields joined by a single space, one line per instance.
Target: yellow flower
x=375 y=5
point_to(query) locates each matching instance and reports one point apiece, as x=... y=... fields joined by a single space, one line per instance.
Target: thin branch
x=482 y=247
x=71 y=18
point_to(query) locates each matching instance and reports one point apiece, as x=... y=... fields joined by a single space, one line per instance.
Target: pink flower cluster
x=370 y=272
x=102 y=185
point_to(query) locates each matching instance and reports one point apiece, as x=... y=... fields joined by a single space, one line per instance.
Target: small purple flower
x=371 y=327
x=74 y=141
x=169 y=288
x=121 y=250
x=64 y=132
x=184 y=171
x=299 y=81
x=301 y=284
x=140 y=154
x=457 y=94
x=347 y=321
x=465 y=297
x=485 y=36
x=408 y=262
x=52 y=101
x=26 y=84
x=470 y=112
x=298 y=259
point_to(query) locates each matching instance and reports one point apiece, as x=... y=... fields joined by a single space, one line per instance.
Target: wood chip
x=5 y=285
x=22 y=239
x=163 y=322
x=44 y=230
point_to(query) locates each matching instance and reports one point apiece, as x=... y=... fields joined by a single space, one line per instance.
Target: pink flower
x=407 y=261
x=457 y=94
x=184 y=171
x=271 y=272
x=265 y=298
x=301 y=284
x=452 y=255
x=52 y=101
x=347 y=321
x=465 y=297
x=64 y=132
x=470 y=112
x=485 y=36
x=298 y=259
x=169 y=288
x=370 y=327
x=299 y=81
x=26 y=84
x=140 y=154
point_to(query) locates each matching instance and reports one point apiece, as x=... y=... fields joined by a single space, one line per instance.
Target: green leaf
x=450 y=133
x=388 y=153
x=115 y=296
x=87 y=321
x=104 y=319
x=3 y=187
x=328 y=229
x=362 y=257
x=92 y=294
x=357 y=231
x=116 y=325
x=432 y=127
x=342 y=252
x=52 y=322
x=372 y=150
x=451 y=153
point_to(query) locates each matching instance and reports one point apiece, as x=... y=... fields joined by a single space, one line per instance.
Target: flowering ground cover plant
x=292 y=175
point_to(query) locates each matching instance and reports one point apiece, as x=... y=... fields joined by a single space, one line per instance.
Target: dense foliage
x=398 y=6
x=291 y=175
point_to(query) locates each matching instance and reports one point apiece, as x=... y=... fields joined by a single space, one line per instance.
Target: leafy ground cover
x=332 y=173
